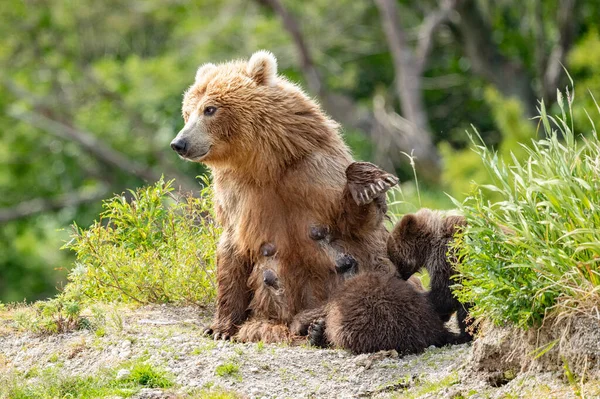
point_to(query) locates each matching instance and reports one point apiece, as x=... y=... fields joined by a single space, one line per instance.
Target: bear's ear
x=262 y=68
x=204 y=69
x=408 y=225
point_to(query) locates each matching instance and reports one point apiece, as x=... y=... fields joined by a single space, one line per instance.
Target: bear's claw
x=217 y=334
x=366 y=182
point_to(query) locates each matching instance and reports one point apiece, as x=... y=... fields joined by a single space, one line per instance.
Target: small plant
x=57 y=315
x=536 y=251
x=228 y=369
x=154 y=248
x=260 y=346
x=149 y=376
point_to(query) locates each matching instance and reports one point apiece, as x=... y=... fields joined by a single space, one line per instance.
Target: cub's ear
x=262 y=68
x=204 y=69
x=408 y=225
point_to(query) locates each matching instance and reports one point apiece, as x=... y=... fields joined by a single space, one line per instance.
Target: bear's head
x=241 y=115
x=410 y=242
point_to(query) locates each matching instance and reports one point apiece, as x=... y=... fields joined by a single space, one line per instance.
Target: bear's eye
x=210 y=110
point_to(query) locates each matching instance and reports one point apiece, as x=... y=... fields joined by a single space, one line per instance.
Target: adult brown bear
x=278 y=166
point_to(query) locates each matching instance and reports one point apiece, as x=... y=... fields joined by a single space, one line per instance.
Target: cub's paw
x=316 y=334
x=367 y=181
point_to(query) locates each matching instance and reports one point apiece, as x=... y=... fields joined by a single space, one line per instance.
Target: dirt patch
x=573 y=342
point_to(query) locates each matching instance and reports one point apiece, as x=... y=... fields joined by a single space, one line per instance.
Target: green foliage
x=584 y=61
x=153 y=248
x=51 y=383
x=227 y=369
x=463 y=168
x=149 y=376
x=535 y=251
x=57 y=315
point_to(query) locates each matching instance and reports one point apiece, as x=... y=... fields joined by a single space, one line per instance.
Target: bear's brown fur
x=278 y=166
x=421 y=240
x=375 y=311
x=363 y=209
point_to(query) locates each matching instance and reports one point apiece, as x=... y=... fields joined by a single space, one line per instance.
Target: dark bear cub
x=375 y=311
x=421 y=240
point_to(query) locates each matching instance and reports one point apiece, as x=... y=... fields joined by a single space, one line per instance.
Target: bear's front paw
x=316 y=333
x=220 y=332
x=366 y=182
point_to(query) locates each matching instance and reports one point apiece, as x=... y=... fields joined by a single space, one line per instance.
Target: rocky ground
x=169 y=339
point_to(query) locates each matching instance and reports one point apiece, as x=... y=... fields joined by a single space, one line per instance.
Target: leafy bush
x=536 y=251
x=156 y=247
x=57 y=315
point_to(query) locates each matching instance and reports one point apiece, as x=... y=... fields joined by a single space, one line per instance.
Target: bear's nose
x=179 y=146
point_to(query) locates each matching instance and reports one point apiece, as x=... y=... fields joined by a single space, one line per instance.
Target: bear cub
x=422 y=240
x=375 y=311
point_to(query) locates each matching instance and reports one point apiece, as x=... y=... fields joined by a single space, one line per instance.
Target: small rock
x=126 y=344
x=149 y=393
x=123 y=374
x=125 y=354
x=361 y=360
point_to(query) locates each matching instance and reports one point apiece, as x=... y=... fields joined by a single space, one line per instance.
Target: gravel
x=170 y=337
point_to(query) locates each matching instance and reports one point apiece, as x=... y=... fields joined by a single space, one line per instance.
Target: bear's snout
x=179 y=145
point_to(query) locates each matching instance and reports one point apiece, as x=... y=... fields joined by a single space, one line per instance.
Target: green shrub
x=536 y=251
x=56 y=315
x=154 y=248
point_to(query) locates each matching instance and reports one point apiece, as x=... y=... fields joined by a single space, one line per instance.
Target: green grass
x=52 y=383
x=153 y=248
x=149 y=376
x=536 y=251
x=422 y=388
x=228 y=369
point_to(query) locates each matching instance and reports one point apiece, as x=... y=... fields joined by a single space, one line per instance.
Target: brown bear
x=278 y=166
x=375 y=311
x=422 y=240
x=363 y=208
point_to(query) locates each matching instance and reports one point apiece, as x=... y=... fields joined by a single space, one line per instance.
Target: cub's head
x=241 y=114
x=410 y=243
